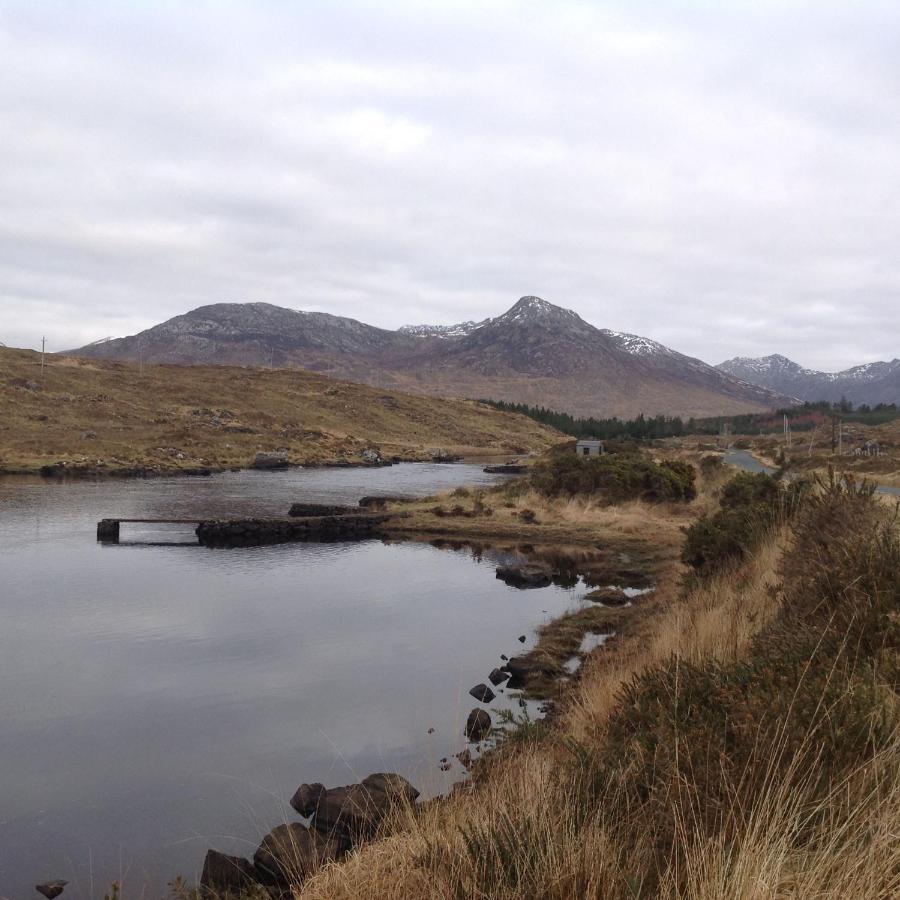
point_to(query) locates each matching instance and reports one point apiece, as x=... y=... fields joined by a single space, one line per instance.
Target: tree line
x=802 y=417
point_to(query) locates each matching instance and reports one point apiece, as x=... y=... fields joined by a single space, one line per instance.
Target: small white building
x=589 y=448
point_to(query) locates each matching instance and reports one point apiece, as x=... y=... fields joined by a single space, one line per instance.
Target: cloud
x=720 y=179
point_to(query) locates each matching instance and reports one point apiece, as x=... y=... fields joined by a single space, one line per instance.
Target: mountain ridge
x=871 y=383
x=535 y=352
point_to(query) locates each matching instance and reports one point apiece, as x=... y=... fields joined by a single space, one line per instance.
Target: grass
x=111 y=415
x=742 y=741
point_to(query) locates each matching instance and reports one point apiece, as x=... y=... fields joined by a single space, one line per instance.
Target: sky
x=722 y=177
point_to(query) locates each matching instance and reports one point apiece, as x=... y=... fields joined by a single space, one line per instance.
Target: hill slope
x=873 y=383
x=90 y=412
x=534 y=353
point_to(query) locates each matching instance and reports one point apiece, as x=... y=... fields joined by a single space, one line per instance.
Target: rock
x=482 y=693
x=223 y=874
x=523 y=577
x=299 y=510
x=51 y=889
x=521 y=668
x=522 y=638
x=353 y=813
x=608 y=596
x=306 y=798
x=478 y=725
x=497 y=676
x=269 y=461
x=88 y=435
x=289 y=853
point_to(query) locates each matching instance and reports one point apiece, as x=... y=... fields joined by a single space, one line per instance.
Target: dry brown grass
x=108 y=414
x=546 y=819
x=521 y=792
x=557 y=520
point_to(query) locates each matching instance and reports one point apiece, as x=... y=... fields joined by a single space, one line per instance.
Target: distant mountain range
x=534 y=353
x=873 y=383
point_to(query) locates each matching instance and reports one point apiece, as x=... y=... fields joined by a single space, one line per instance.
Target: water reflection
x=161 y=699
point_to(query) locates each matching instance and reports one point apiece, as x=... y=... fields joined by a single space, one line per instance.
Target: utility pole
x=43 y=348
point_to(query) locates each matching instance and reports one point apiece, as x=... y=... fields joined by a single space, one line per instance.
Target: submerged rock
x=482 y=693
x=289 y=853
x=223 y=874
x=478 y=725
x=51 y=889
x=523 y=577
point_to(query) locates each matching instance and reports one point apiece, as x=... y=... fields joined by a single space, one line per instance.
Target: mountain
x=535 y=353
x=441 y=331
x=872 y=383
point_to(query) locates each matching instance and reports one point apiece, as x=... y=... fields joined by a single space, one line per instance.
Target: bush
x=807 y=707
x=614 y=477
x=748 y=505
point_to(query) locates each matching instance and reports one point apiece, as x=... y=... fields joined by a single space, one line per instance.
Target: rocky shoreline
x=337 y=820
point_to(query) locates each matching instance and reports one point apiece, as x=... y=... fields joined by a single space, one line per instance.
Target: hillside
x=872 y=383
x=109 y=415
x=534 y=353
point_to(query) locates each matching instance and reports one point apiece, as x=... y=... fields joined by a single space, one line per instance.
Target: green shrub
x=614 y=477
x=805 y=709
x=749 y=504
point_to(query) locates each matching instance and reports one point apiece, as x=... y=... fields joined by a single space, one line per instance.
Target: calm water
x=158 y=700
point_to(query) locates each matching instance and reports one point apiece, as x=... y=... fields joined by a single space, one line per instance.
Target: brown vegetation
x=111 y=415
x=742 y=740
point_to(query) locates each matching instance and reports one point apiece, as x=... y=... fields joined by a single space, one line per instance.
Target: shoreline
x=62 y=472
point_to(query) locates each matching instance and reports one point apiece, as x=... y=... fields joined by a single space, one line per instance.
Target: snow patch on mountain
x=441 y=331
x=637 y=345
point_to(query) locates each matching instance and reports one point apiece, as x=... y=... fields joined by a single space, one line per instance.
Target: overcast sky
x=721 y=177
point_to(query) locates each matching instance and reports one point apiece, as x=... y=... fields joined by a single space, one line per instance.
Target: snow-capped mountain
x=872 y=383
x=535 y=352
x=441 y=331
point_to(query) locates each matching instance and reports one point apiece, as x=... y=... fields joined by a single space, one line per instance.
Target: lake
x=159 y=700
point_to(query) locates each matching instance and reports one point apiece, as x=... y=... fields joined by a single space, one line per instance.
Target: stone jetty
x=269 y=530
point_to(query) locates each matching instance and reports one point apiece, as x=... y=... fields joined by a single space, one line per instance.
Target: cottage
x=589 y=448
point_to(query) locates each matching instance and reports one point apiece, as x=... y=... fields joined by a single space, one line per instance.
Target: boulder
x=482 y=693
x=523 y=577
x=521 y=668
x=497 y=676
x=289 y=853
x=269 y=461
x=306 y=798
x=227 y=875
x=478 y=725
x=51 y=889
x=353 y=813
x=608 y=596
